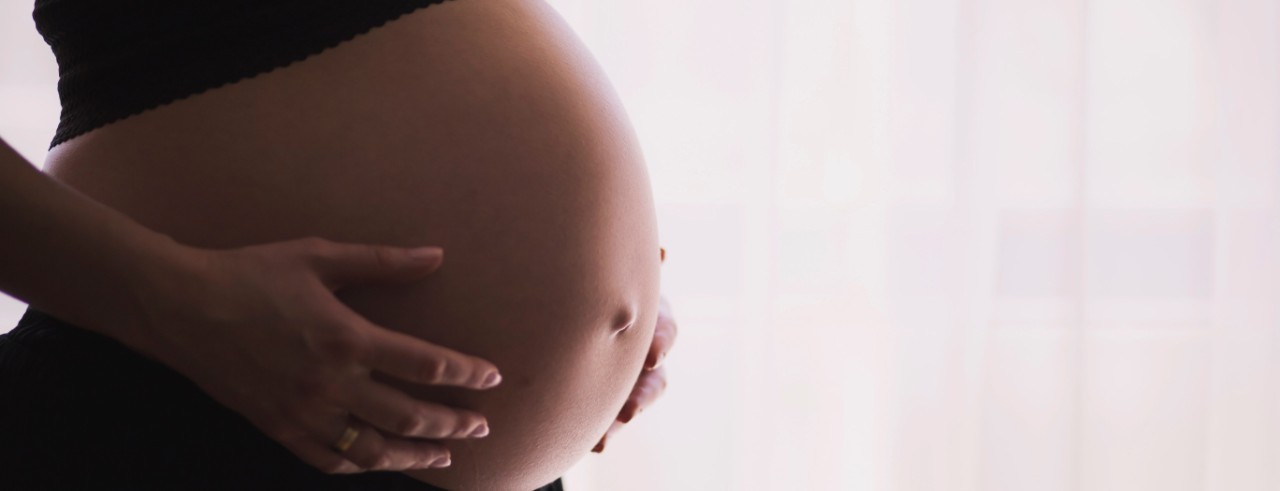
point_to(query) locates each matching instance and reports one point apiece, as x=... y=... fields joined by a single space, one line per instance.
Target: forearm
x=72 y=256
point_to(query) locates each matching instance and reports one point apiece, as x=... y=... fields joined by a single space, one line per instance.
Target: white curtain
x=957 y=244
x=947 y=244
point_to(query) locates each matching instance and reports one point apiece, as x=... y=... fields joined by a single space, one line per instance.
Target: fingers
x=372 y=451
x=395 y=353
x=415 y=360
x=321 y=457
x=340 y=264
x=396 y=413
x=651 y=385
x=653 y=379
x=613 y=428
x=664 y=336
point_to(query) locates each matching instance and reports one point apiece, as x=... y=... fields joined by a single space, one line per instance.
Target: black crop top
x=117 y=58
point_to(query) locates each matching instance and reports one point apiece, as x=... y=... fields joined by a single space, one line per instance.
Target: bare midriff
x=481 y=126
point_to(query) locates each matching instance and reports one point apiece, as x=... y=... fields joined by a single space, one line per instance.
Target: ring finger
x=397 y=414
x=371 y=450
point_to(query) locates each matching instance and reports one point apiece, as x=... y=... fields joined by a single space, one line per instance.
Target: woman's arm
x=257 y=328
x=71 y=256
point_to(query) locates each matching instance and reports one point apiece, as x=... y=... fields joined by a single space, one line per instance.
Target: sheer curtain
x=942 y=244
x=957 y=244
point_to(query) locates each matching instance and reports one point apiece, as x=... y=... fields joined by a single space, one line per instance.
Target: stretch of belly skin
x=483 y=126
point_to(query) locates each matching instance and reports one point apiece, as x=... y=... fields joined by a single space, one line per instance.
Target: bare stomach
x=482 y=126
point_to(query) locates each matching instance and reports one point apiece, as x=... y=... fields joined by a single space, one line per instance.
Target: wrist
x=158 y=270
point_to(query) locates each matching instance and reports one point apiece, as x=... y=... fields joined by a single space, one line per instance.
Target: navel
x=623 y=319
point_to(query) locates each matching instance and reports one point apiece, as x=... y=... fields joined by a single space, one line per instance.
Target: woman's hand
x=260 y=330
x=257 y=328
x=653 y=379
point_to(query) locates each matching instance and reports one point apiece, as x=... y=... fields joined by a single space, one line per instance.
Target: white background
x=935 y=244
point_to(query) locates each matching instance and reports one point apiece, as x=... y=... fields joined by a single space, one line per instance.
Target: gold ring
x=348 y=437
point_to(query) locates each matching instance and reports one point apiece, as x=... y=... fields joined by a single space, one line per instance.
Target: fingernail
x=425 y=254
x=661 y=356
x=492 y=380
x=442 y=462
x=626 y=416
x=480 y=431
x=600 y=446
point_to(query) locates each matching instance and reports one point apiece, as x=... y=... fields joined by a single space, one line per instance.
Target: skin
x=481 y=126
x=258 y=328
x=653 y=381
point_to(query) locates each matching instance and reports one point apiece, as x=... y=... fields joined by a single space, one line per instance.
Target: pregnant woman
x=187 y=335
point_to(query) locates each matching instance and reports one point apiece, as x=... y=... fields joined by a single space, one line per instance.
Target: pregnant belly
x=482 y=126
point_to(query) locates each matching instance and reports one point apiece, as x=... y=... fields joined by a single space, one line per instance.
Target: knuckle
x=381 y=257
x=313 y=386
x=412 y=424
x=428 y=453
x=470 y=419
x=430 y=426
x=342 y=343
x=370 y=459
x=433 y=370
x=433 y=429
x=365 y=462
x=380 y=461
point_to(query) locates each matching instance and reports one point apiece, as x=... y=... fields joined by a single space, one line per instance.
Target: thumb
x=345 y=264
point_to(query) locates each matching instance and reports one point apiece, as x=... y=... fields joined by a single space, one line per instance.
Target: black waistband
x=117 y=59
